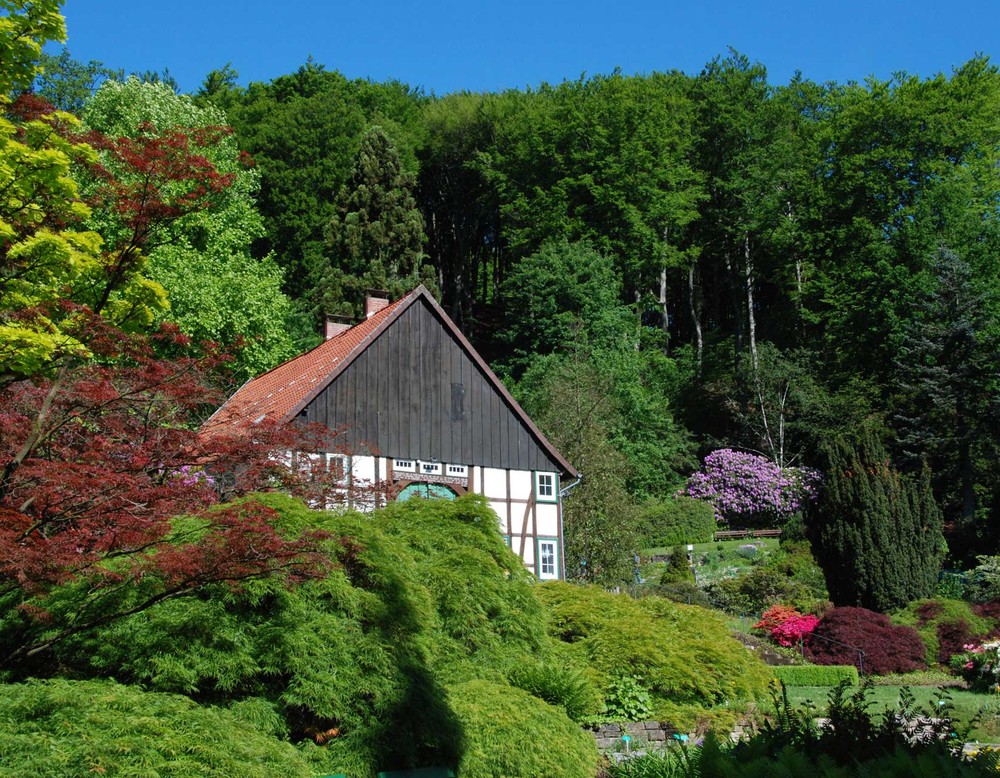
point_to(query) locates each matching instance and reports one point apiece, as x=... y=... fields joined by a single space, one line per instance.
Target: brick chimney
x=335 y=325
x=375 y=301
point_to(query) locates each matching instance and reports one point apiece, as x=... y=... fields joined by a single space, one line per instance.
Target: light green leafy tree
x=217 y=290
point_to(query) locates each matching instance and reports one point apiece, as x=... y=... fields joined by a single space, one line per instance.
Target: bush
x=85 y=728
x=785 y=625
x=510 y=732
x=557 y=684
x=684 y=592
x=945 y=626
x=679 y=654
x=887 y=648
x=677 y=521
x=678 y=569
x=856 y=743
x=816 y=675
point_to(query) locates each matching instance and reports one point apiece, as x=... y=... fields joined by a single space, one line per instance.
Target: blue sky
x=447 y=45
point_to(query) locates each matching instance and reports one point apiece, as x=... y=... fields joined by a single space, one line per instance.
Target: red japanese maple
x=100 y=451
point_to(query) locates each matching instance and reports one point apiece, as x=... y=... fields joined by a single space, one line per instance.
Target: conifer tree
x=875 y=532
x=376 y=238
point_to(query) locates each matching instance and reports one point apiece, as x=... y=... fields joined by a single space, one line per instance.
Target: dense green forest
x=708 y=260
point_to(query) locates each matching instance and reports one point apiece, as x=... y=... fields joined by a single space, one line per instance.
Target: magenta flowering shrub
x=785 y=625
x=979 y=666
x=746 y=488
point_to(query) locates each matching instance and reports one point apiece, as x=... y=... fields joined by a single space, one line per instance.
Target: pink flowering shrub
x=979 y=665
x=747 y=488
x=785 y=625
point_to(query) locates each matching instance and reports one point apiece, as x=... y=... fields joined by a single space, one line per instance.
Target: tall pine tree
x=376 y=238
x=875 y=532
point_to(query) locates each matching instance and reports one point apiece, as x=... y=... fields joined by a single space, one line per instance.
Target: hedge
x=815 y=675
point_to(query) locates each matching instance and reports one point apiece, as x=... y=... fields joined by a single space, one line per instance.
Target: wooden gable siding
x=400 y=397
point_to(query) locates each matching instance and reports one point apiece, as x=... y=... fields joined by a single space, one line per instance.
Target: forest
x=733 y=305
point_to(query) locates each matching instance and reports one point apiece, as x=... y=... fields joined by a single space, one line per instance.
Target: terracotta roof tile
x=275 y=394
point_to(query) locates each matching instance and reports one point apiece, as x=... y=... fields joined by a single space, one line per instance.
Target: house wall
x=524 y=518
x=416 y=392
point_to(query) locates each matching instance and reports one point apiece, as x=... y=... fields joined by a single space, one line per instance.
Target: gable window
x=546 y=487
x=404 y=465
x=547 y=559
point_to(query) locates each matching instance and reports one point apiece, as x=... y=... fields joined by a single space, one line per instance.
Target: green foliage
x=626 y=699
x=678 y=568
x=876 y=533
x=789 y=576
x=217 y=290
x=81 y=728
x=677 y=520
x=376 y=236
x=509 y=732
x=984 y=579
x=933 y=618
x=856 y=742
x=558 y=684
x=816 y=675
x=484 y=597
x=681 y=655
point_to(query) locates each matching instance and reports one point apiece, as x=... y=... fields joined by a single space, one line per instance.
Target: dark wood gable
x=416 y=393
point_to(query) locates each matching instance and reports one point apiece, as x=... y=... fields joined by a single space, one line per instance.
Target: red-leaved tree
x=107 y=487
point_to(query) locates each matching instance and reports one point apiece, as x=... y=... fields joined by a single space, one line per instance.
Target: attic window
x=404 y=465
x=459 y=470
x=431 y=468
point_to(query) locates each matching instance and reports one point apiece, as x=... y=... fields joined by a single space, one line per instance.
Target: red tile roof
x=275 y=394
x=281 y=393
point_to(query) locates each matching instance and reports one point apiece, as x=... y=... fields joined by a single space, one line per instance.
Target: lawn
x=966 y=705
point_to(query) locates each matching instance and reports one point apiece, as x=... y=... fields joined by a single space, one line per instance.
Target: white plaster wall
x=363 y=469
x=495 y=482
x=548 y=519
x=520 y=484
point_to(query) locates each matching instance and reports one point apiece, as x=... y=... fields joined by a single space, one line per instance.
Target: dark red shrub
x=888 y=648
x=952 y=636
x=987 y=610
x=928 y=611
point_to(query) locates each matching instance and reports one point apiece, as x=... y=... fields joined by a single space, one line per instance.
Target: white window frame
x=546 y=486
x=431 y=468
x=404 y=465
x=544 y=575
x=462 y=471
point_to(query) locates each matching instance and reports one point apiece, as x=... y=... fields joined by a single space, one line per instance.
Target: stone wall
x=653 y=734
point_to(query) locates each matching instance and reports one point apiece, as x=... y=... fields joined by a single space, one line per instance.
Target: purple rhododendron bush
x=888 y=648
x=747 y=489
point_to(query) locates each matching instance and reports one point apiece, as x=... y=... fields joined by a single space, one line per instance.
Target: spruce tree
x=375 y=240
x=875 y=532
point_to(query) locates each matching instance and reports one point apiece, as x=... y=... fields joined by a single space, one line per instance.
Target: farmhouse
x=421 y=414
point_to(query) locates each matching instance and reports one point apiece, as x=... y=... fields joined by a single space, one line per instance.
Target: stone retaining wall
x=654 y=733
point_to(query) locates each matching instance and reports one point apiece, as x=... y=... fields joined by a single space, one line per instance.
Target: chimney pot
x=375 y=301
x=335 y=325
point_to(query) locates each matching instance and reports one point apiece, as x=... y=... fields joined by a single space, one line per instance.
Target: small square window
x=460 y=470
x=404 y=465
x=546 y=487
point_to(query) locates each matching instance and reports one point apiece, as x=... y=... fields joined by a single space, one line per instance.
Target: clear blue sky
x=448 y=45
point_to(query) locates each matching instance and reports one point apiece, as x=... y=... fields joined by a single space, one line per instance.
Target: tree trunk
x=695 y=318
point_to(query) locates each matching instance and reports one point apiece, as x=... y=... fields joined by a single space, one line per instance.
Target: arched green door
x=427 y=491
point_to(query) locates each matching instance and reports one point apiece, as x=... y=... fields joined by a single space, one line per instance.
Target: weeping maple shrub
x=852 y=636
x=98 y=462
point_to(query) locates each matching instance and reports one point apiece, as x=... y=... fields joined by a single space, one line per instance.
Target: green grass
x=767 y=546
x=966 y=705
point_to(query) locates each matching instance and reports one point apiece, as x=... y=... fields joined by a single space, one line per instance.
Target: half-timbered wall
x=415 y=392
